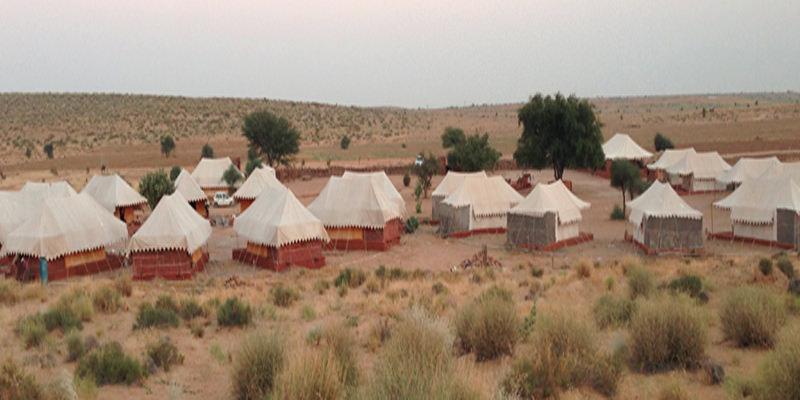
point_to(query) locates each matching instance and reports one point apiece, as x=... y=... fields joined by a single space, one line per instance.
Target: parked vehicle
x=221 y=199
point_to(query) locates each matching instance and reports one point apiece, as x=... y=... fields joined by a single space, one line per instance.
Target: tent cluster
x=479 y=204
x=691 y=171
x=208 y=174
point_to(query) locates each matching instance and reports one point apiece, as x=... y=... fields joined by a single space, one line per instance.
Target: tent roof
x=669 y=157
x=382 y=180
x=43 y=190
x=487 y=196
x=277 y=218
x=349 y=202
x=706 y=165
x=112 y=191
x=621 y=146
x=256 y=182
x=660 y=200
x=173 y=225
x=755 y=201
x=208 y=172
x=746 y=169
x=13 y=212
x=782 y=170
x=64 y=226
x=188 y=188
x=452 y=180
x=553 y=197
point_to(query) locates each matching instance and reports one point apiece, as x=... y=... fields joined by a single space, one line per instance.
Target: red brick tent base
x=306 y=254
x=729 y=236
x=652 y=252
x=28 y=269
x=476 y=232
x=172 y=265
x=581 y=238
x=368 y=239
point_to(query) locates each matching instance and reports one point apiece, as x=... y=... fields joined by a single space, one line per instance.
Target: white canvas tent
x=479 y=204
x=358 y=203
x=13 y=212
x=259 y=179
x=450 y=183
x=208 y=173
x=662 y=220
x=667 y=159
x=38 y=191
x=746 y=169
x=544 y=199
x=277 y=218
x=765 y=209
x=789 y=170
x=697 y=172
x=188 y=187
x=383 y=181
x=173 y=225
x=113 y=193
x=622 y=147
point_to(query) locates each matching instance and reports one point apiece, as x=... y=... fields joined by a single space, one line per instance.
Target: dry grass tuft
x=752 y=316
x=488 y=326
x=667 y=333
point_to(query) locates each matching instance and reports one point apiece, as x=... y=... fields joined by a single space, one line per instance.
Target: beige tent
x=382 y=180
x=259 y=179
x=622 y=147
x=667 y=159
x=71 y=233
x=169 y=244
x=548 y=215
x=789 y=170
x=358 y=214
x=115 y=195
x=746 y=169
x=697 y=172
x=765 y=210
x=280 y=231
x=13 y=212
x=450 y=183
x=478 y=205
x=208 y=174
x=662 y=221
x=38 y=191
x=191 y=191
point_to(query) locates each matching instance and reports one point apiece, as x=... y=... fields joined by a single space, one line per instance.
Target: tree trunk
x=623 y=201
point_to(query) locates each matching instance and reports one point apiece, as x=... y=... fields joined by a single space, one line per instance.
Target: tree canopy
x=425 y=172
x=252 y=161
x=207 y=151
x=453 y=136
x=273 y=137
x=472 y=154
x=167 y=145
x=561 y=132
x=174 y=172
x=626 y=176
x=662 y=142
x=155 y=185
x=231 y=176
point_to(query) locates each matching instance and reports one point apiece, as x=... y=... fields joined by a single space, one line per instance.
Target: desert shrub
x=256 y=366
x=489 y=325
x=379 y=334
x=307 y=313
x=61 y=317
x=345 y=142
x=124 y=284
x=563 y=355
x=406 y=178
x=153 y=316
x=752 y=316
x=321 y=286
x=174 y=172
x=785 y=265
x=610 y=310
x=537 y=271
x=373 y=285
x=167 y=302
x=190 y=309
x=667 y=333
x=76 y=302
x=610 y=283
x=672 y=390
x=310 y=375
x=108 y=364
x=584 y=271
x=340 y=343
x=31 y=330
x=779 y=372
x=76 y=346
x=164 y=354
x=412 y=223
x=640 y=282
x=397 y=273
x=10 y=291
x=439 y=288
x=765 y=266
x=106 y=299
x=16 y=384
x=283 y=296
x=661 y=142
x=617 y=214
x=314 y=336
x=690 y=284
x=350 y=277
x=197 y=328
x=234 y=312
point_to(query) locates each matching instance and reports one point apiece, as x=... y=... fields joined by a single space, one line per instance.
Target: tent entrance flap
x=84 y=257
x=346 y=233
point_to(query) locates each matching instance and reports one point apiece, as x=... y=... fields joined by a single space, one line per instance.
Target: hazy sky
x=426 y=53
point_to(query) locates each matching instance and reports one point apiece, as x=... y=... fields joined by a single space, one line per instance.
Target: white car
x=419 y=160
x=221 y=199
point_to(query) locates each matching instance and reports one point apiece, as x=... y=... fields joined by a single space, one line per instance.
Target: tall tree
x=561 y=132
x=425 y=172
x=174 y=172
x=453 y=136
x=207 y=151
x=231 y=176
x=167 y=145
x=626 y=176
x=662 y=142
x=273 y=137
x=155 y=185
x=473 y=154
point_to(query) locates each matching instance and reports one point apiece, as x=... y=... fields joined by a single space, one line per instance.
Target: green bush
x=785 y=265
x=667 y=333
x=283 y=296
x=256 y=366
x=411 y=224
x=610 y=310
x=765 y=265
x=617 y=214
x=307 y=313
x=16 y=384
x=106 y=299
x=345 y=142
x=234 y=312
x=167 y=302
x=190 y=309
x=752 y=316
x=489 y=325
x=689 y=284
x=77 y=303
x=779 y=372
x=61 y=317
x=164 y=354
x=640 y=282
x=76 y=346
x=153 y=316
x=31 y=330
x=350 y=277
x=109 y=365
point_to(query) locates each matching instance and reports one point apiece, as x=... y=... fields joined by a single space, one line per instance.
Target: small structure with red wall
x=116 y=196
x=259 y=179
x=191 y=191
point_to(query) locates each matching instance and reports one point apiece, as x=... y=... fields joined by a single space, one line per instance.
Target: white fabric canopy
x=173 y=225
x=63 y=226
x=112 y=192
x=669 y=157
x=555 y=198
x=756 y=201
x=350 y=202
x=256 y=182
x=621 y=146
x=277 y=218
x=13 y=212
x=385 y=184
x=660 y=200
x=746 y=169
x=487 y=196
x=789 y=170
x=707 y=165
x=188 y=188
x=208 y=172
x=452 y=180
x=43 y=190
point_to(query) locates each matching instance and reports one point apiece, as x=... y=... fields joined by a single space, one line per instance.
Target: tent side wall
x=128 y=213
x=706 y=185
x=530 y=231
x=200 y=207
x=353 y=238
x=78 y=264
x=305 y=254
x=436 y=208
x=167 y=264
x=244 y=204
x=454 y=219
x=788 y=227
x=673 y=233
x=763 y=232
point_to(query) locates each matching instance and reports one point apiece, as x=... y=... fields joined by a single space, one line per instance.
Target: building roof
x=111 y=191
x=555 y=198
x=256 y=182
x=486 y=195
x=382 y=180
x=43 y=190
x=708 y=165
x=669 y=157
x=452 y=180
x=660 y=200
x=276 y=218
x=746 y=169
x=621 y=146
x=347 y=202
x=173 y=225
x=208 y=172
x=188 y=188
